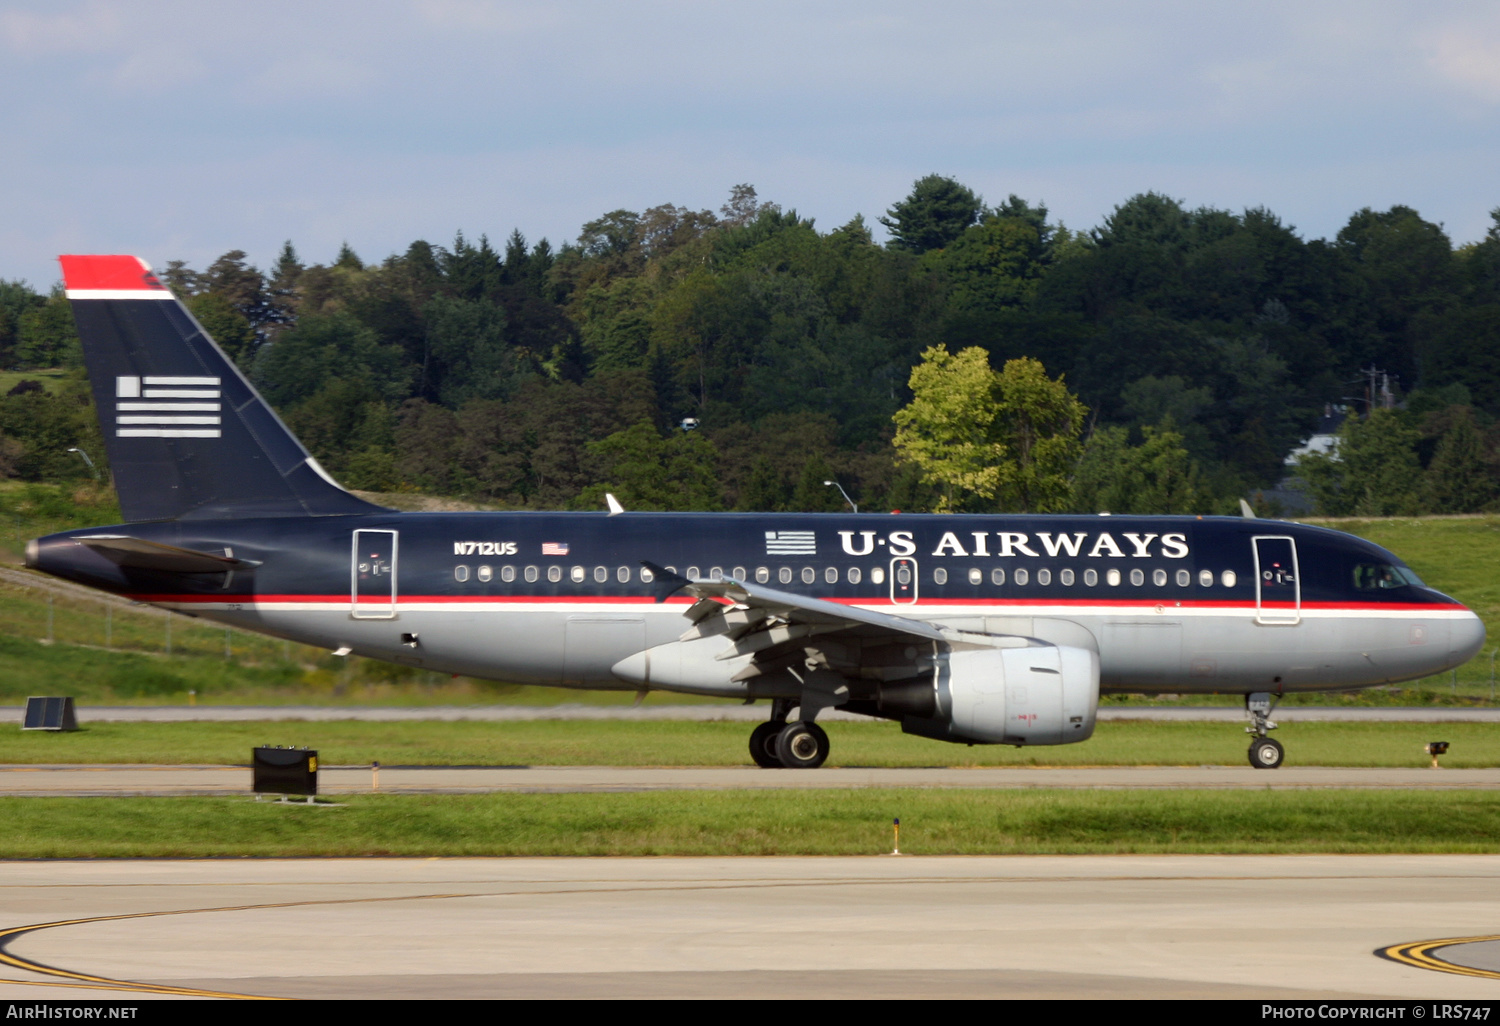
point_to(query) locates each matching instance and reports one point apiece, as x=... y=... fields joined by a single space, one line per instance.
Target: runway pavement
x=1300 y=927
x=717 y=711
x=93 y=780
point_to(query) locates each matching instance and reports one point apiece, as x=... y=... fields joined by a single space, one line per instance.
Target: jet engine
x=1032 y=695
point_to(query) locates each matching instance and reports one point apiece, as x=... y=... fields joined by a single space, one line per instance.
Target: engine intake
x=1036 y=695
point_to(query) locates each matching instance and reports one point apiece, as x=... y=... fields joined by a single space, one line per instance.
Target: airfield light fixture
x=835 y=484
x=92 y=469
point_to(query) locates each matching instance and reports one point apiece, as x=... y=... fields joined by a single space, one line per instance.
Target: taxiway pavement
x=94 y=780
x=738 y=713
x=878 y=927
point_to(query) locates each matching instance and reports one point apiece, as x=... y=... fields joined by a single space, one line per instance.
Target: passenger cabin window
x=1112 y=577
x=460 y=573
x=554 y=574
x=1382 y=576
x=507 y=574
x=784 y=575
x=1021 y=577
x=484 y=573
x=878 y=575
x=692 y=573
x=1206 y=578
x=578 y=575
x=939 y=576
x=647 y=575
x=976 y=576
x=762 y=575
x=1137 y=577
x=622 y=574
x=716 y=573
x=831 y=575
x=1159 y=578
x=1066 y=577
x=531 y=575
x=1091 y=577
x=997 y=577
x=1044 y=577
x=855 y=575
x=1184 y=578
x=738 y=573
x=601 y=574
x=809 y=575
x=1227 y=578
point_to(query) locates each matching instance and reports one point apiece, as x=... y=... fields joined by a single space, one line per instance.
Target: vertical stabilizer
x=188 y=437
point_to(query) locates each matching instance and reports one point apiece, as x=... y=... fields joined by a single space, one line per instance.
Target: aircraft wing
x=786 y=633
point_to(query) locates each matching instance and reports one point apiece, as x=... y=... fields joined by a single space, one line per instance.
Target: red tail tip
x=116 y=273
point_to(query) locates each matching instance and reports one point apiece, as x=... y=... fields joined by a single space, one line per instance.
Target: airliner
x=970 y=629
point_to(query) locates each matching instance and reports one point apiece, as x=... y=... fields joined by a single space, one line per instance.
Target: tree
x=650 y=472
x=937 y=212
x=1149 y=219
x=1458 y=479
x=46 y=335
x=1008 y=439
x=225 y=325
x=467 y=357
x=1039 y=421
x=1156 y=476
x=1373 y=471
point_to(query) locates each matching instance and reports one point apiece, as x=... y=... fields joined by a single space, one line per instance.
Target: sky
x=182 y=130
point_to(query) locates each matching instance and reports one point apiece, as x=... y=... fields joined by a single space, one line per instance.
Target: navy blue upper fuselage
x=441 y=555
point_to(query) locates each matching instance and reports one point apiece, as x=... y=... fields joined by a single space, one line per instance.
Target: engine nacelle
x=1033 y=695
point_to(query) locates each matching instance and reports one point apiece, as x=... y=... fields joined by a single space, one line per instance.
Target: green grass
x=680 y=743
x=50 y=379
x=933 y=822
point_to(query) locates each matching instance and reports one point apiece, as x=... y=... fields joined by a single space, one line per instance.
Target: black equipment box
x=284 y=770
x=50 y=714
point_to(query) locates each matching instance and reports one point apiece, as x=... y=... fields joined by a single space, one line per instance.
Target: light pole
x=92 y=469
x=835 y=484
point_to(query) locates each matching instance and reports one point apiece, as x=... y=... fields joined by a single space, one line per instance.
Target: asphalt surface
x=93 y=780
x=1105 y=927
x=726 y=711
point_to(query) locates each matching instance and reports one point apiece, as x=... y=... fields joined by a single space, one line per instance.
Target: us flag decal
x=167 y=407
x=554 y=548
x=791 y=543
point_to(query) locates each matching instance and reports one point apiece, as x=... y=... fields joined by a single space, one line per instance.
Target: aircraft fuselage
x=1169 y=604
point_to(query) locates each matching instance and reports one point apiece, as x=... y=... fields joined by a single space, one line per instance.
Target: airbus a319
x=969 y=629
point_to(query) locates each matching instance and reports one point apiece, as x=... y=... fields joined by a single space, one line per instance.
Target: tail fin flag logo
x=167 y=407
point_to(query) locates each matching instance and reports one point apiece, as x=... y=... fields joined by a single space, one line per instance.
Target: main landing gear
x=777 y=743
x=1265 y=753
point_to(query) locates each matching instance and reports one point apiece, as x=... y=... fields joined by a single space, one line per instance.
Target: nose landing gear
x=1265 y=753
x=776 y=743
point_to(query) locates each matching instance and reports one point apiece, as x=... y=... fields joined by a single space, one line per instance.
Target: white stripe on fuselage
x=915 y=612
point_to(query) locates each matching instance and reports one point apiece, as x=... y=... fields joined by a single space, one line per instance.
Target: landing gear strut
x=776 y=743
x=1265 y=753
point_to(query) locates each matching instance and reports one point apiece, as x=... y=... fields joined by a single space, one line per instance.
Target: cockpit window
x=1383 y=576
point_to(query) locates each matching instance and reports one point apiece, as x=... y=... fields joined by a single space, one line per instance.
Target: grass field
x=681 y=743
x=933 y=822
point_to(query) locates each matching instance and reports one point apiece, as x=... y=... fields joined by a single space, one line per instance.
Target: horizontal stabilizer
x=137 y=553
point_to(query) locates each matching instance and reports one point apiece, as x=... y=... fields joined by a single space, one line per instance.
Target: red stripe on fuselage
x=1226 y=604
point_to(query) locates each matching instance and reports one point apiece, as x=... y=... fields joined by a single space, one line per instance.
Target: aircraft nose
x=1465 y=638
